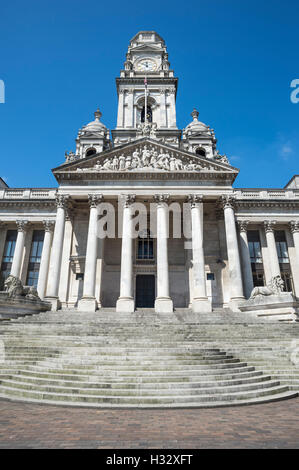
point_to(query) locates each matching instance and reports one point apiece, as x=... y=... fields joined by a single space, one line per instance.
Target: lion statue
x=14 y=288
x=274 y=287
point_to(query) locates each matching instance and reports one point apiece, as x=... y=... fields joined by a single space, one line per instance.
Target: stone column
x=22 y=226
x=274 y=263
x=200 y=301
x=120 y=113
x=294 y=260
x=56 y=252
x=163 y=303
x=125 y=302
x=45 y=258
x=235 y=274
x=172 y=109
x=246 y=261
x=130 y=108
x=88 y=301
x=163 y=116
x=294 y=227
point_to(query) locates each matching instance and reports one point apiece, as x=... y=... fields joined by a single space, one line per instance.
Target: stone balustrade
x=36 y=193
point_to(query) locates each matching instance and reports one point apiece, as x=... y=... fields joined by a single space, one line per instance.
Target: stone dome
x=196 y=125
x=96 y=125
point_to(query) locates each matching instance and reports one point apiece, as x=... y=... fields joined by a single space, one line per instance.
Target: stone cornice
x=27 y=203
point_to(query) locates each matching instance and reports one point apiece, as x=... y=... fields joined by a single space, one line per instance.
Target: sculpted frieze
x=149 y=159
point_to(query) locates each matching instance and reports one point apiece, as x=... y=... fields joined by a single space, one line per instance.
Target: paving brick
x=267 y=426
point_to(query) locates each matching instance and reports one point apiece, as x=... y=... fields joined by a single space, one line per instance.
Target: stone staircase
x=105 y=359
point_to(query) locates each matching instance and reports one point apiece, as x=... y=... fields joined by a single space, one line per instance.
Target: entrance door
x=145 y=291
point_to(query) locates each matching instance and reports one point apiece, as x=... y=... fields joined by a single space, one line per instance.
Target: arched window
x=149 y=114
x=145 y=248
x=200 y=152
x=90 y=152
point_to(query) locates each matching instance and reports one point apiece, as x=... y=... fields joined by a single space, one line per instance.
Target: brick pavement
x=273 y=425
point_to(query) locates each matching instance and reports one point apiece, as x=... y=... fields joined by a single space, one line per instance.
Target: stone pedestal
x=283 y=306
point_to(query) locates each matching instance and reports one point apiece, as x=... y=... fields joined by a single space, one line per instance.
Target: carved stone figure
x=274 y=287
x=14 y=287
x=122 y=162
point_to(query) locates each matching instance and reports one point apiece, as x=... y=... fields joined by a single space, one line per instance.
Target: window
x=281 y=246
x=145 y=249
x=90 y=152
x=9 y=249
x=200 y=152
x=35 y=257
x=149 y=114
x=10 y=245
x=210 y=277
x=258 y=279
x=254 y=246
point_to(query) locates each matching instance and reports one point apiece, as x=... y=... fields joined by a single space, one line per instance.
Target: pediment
x=147 y=48
x=145 y=156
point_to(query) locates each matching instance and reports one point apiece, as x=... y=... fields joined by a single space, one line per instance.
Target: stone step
x=78 y=375
x=51 y=381
x=137 y=392
x=230 y=397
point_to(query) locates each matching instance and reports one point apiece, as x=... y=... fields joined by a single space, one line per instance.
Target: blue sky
x=234 y=59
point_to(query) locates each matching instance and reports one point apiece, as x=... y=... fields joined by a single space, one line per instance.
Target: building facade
x=148 y=215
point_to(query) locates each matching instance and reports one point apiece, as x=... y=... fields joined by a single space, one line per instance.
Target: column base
x=163 y=305
x=88 y=304
x=55 y=302
x=125 y=305
x=201 y=305
x=234 y=303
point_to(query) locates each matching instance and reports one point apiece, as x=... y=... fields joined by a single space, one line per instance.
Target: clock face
x=146 y=65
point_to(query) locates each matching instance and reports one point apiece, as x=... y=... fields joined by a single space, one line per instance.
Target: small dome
x=196 y=125
x=96 y=125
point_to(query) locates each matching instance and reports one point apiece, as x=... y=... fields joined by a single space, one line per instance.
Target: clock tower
x=146 y=92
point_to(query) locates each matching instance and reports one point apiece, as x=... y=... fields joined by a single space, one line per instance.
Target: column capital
x=22 y=225
x=95 y=199
x=227 y=201
x=294 y=226
x=48 y=225
x=194 y=199
x=269 y=225
x=128 y=199
x=243 y=225
x=161 y=198
x=62 y=201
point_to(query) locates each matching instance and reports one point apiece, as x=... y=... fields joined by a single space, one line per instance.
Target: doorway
x=145 y=291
